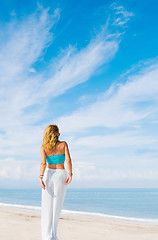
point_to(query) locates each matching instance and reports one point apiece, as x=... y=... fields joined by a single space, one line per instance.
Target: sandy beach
x=17 y=224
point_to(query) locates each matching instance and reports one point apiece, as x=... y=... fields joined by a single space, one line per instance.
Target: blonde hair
x=50 y=136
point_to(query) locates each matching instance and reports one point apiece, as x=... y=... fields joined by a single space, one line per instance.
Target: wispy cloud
x=117 y=140
x=122 y=105
x=77 y=67
x=122 y=16
x=21 y=45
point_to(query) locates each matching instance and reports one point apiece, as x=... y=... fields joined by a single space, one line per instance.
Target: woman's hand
x=42 y=183
x=68 y=180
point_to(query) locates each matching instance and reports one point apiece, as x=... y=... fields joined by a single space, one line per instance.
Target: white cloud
x=114 y=174
x=120 y=106
x=32 y=70
x=96 y=172
x=19 y=170
x=78 y=67
x=21 y=45
x=124 y=15
x=118 y=140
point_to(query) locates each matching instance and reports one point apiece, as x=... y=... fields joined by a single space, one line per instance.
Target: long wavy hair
x=50 y=136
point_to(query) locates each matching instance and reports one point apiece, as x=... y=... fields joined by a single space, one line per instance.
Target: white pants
x=52 y=201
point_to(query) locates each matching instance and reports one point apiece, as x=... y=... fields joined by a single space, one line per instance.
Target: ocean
x=139 y=204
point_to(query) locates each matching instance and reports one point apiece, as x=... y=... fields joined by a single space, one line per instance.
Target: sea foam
x=82 y=213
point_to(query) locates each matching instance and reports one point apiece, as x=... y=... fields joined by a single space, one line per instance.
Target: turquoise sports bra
x=55 y=159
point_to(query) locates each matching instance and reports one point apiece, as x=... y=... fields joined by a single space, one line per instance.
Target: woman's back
x=59 y=149
x=56 y=157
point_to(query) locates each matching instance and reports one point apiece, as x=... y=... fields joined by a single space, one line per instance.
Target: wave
x=27 y=207
x=81 y=213
x=102 y=215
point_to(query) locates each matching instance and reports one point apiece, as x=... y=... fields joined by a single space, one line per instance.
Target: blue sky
x=92 y=68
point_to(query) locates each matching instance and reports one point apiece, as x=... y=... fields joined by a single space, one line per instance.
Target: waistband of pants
x=53 y=170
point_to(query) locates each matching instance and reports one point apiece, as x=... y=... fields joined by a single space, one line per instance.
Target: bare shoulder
x=64 y=144
x=61 y=146
x=67 y=153
x=42 y=149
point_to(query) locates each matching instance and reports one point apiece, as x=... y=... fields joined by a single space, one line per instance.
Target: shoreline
x=17 y=224
x=86 y=214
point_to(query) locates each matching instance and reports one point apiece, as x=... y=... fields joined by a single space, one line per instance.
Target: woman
x=53 y=179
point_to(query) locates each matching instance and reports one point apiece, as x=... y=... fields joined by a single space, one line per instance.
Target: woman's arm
x=68 y=159
x=43 y=161
x=42 y=166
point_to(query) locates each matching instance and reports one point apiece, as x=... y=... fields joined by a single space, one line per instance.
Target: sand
x=17 y=224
